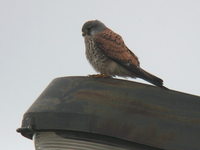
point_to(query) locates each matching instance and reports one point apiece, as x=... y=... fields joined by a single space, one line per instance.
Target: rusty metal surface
x=122 y=109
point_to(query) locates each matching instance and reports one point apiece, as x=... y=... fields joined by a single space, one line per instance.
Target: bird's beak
x=83 y=34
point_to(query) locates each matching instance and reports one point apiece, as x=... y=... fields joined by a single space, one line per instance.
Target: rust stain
x=133 y=105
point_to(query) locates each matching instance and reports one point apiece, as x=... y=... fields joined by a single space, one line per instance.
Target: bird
x=107 y=52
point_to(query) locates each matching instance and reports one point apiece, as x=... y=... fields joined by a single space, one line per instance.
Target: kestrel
x=108 y=54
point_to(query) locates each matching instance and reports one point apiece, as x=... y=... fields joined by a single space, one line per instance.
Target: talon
x=99 y=76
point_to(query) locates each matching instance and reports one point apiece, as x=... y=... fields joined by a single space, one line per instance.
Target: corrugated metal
x=51 y=141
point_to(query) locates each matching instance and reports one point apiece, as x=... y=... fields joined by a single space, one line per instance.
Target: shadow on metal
x=139 y=116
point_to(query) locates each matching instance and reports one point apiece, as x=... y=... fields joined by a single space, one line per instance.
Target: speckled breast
x=95 y=56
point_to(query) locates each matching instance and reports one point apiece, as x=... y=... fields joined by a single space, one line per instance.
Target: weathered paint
x=122 y=109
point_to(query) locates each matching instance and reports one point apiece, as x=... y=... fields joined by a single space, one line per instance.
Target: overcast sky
x=41 y=40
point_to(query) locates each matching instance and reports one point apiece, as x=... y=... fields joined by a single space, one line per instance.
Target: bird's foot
x=99 y=76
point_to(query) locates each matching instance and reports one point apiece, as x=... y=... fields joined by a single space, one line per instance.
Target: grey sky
x=41 y=40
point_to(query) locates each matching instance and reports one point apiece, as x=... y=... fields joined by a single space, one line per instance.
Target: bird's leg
x=99 y=76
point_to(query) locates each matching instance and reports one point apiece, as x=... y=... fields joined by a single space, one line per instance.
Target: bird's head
x=92 y=27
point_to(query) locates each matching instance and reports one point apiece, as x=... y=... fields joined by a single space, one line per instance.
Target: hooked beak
x=83 y=34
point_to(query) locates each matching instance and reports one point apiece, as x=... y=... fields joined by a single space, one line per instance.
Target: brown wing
x=113 y=46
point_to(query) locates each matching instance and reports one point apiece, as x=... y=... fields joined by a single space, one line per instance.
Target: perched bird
x=108 y=54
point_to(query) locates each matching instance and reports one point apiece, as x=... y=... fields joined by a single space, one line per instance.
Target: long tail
x=150 y=78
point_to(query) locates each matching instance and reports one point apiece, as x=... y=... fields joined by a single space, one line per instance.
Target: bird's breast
x=95 y=56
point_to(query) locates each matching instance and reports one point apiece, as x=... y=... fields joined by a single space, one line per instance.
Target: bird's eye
x=88 y=31
x=88 y=28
